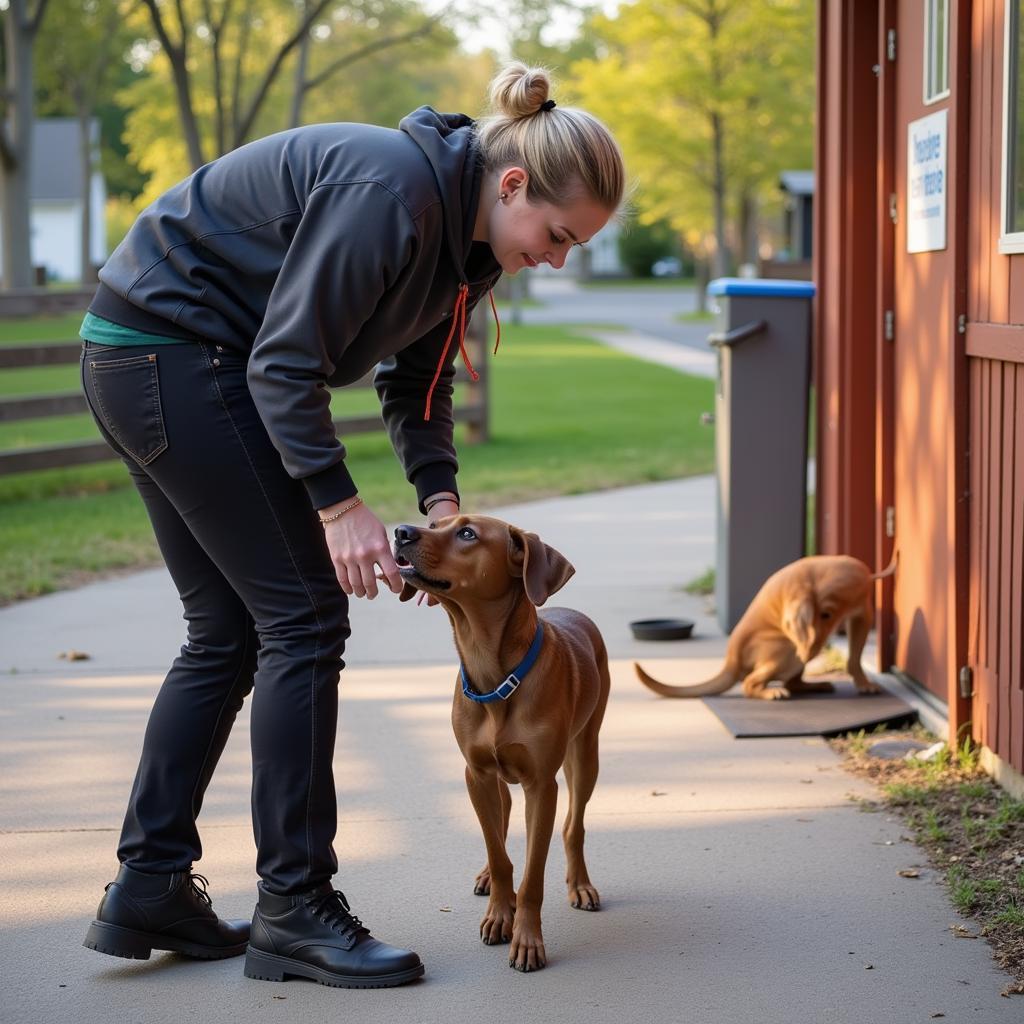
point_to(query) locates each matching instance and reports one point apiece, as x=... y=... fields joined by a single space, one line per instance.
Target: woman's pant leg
x=197 y=704
x=217 y=468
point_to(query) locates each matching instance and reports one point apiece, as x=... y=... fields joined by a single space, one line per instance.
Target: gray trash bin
x=763 y=340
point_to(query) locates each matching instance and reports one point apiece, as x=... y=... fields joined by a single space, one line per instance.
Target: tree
x=77 y=74
x=226 y=57
x=710 y=99
x=21 y=25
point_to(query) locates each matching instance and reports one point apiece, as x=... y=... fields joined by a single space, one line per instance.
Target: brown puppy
x=787 y=624
x=489 y=576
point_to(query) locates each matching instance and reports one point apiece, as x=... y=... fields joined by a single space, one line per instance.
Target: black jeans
x=264 y=611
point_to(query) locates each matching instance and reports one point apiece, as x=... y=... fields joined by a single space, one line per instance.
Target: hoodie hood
x=449 y=143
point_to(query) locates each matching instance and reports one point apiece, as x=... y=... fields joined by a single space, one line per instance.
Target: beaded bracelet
x=341 y=511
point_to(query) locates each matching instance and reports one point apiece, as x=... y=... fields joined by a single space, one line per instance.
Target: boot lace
x=199 y=884
x=333 y=910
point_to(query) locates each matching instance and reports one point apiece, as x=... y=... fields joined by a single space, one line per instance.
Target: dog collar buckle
x=508 y=687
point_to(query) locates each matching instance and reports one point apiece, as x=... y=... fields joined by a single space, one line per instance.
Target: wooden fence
x=473 y=410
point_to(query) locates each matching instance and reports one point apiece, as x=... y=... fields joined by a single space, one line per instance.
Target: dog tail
x=718 y=684
x=890 y=568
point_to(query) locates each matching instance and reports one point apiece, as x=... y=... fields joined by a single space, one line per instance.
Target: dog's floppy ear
x=543 y=569
x=798 y=622
x=408 y=592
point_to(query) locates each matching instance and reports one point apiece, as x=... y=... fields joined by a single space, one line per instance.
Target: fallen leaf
x=938 y=1015
x=445 y=910
x=961 y=932
x=1016 y=989
x=869 y=967
x=73 y=655
x=909 y=873
x=658 y=792
x=278 y=997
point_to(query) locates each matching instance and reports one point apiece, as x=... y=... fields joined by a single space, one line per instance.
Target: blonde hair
x=566 y=151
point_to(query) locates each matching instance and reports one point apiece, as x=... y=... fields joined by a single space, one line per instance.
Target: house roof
x=56 y=164
x=797 y=183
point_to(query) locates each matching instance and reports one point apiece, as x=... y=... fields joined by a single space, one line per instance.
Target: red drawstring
x=497 y=322
x=459 y=320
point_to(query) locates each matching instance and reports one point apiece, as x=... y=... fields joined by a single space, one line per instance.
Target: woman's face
x=524 y=234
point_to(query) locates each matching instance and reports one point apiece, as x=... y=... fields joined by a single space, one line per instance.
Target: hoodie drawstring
x=459 y=321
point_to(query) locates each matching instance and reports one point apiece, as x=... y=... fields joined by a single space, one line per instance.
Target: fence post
x=478 y=423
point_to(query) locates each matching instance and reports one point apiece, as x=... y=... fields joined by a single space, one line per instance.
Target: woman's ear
x=513 y=180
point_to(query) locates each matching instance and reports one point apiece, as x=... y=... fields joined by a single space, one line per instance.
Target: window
x=1012 y=233
x=936 y=50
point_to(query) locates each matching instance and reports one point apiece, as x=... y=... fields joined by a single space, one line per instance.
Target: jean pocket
x=127 y=398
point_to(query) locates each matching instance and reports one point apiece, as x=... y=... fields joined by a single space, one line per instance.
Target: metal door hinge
x=961 y=323
x=890 y=44
x=890 y=330
x=893 y=208
x=966 y=682
x=890 y=521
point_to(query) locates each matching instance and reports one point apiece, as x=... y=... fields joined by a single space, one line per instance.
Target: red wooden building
x=919 y=261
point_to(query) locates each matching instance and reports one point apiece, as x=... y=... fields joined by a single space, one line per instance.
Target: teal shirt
x=105 y=332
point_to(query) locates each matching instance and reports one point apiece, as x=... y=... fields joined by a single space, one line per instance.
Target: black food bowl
x=662 y=629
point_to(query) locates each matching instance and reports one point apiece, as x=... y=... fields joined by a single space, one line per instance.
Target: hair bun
x=518 y=91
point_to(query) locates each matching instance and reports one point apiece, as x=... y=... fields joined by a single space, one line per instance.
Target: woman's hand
x=358 y=542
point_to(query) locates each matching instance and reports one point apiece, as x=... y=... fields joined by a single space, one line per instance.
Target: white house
x=56 y=197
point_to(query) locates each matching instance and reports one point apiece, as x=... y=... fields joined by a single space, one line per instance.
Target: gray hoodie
x=321 y=252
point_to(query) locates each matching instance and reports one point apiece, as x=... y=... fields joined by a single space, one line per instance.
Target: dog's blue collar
x=515 y=677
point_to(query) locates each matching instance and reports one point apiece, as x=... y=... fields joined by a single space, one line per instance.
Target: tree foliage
x=710 y=99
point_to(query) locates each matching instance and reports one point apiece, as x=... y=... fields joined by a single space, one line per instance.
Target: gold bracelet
x=341 y=511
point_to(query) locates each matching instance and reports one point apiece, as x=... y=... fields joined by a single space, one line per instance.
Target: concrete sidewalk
x=739 y=881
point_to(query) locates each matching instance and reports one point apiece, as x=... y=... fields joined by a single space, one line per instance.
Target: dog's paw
x=775 y=693
x=584 y=897
x=527 y=953
x=482 y=883
x=498 y=924
x=866 y=686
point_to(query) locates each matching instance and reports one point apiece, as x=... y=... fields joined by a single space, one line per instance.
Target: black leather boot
x=140 y=913
x=315 y=935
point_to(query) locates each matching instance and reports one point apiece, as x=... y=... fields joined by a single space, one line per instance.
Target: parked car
x=667 y=267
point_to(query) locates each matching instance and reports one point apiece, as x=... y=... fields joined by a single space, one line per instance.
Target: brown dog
x=489 y=577
x=787 y=624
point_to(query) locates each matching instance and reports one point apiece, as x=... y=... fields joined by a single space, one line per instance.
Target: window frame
x=929 y=51
x=1009 y=241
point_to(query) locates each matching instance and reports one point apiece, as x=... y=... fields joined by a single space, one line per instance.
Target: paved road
x=650 y=311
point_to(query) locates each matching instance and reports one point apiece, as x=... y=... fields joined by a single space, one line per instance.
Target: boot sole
x=269 y=967
x=114 y=940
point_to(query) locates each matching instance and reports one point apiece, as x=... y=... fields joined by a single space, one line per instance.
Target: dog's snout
x=406 y=535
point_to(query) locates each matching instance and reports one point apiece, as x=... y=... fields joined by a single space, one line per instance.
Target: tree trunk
x=88 y=273
x=721 y=257
x=748 y=227
x=299 y=91
x=15 y=233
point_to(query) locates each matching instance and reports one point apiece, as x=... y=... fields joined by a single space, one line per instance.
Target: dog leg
x=581 y=763
x=857 y=627
x=527 y=951
x=780 y=667
x=496 y=925
x=482 y=882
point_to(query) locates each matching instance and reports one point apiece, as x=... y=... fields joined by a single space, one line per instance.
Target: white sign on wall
x=927 y=184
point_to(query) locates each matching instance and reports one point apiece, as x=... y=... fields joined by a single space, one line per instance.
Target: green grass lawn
x=567 y=416
x=21 y=330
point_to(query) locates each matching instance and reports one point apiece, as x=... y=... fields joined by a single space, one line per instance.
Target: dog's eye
x=826 y=615
x=466 y=534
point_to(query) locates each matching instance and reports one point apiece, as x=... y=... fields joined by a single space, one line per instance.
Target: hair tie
x=548 y=105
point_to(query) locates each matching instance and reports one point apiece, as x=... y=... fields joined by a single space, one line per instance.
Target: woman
x=291 y=265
